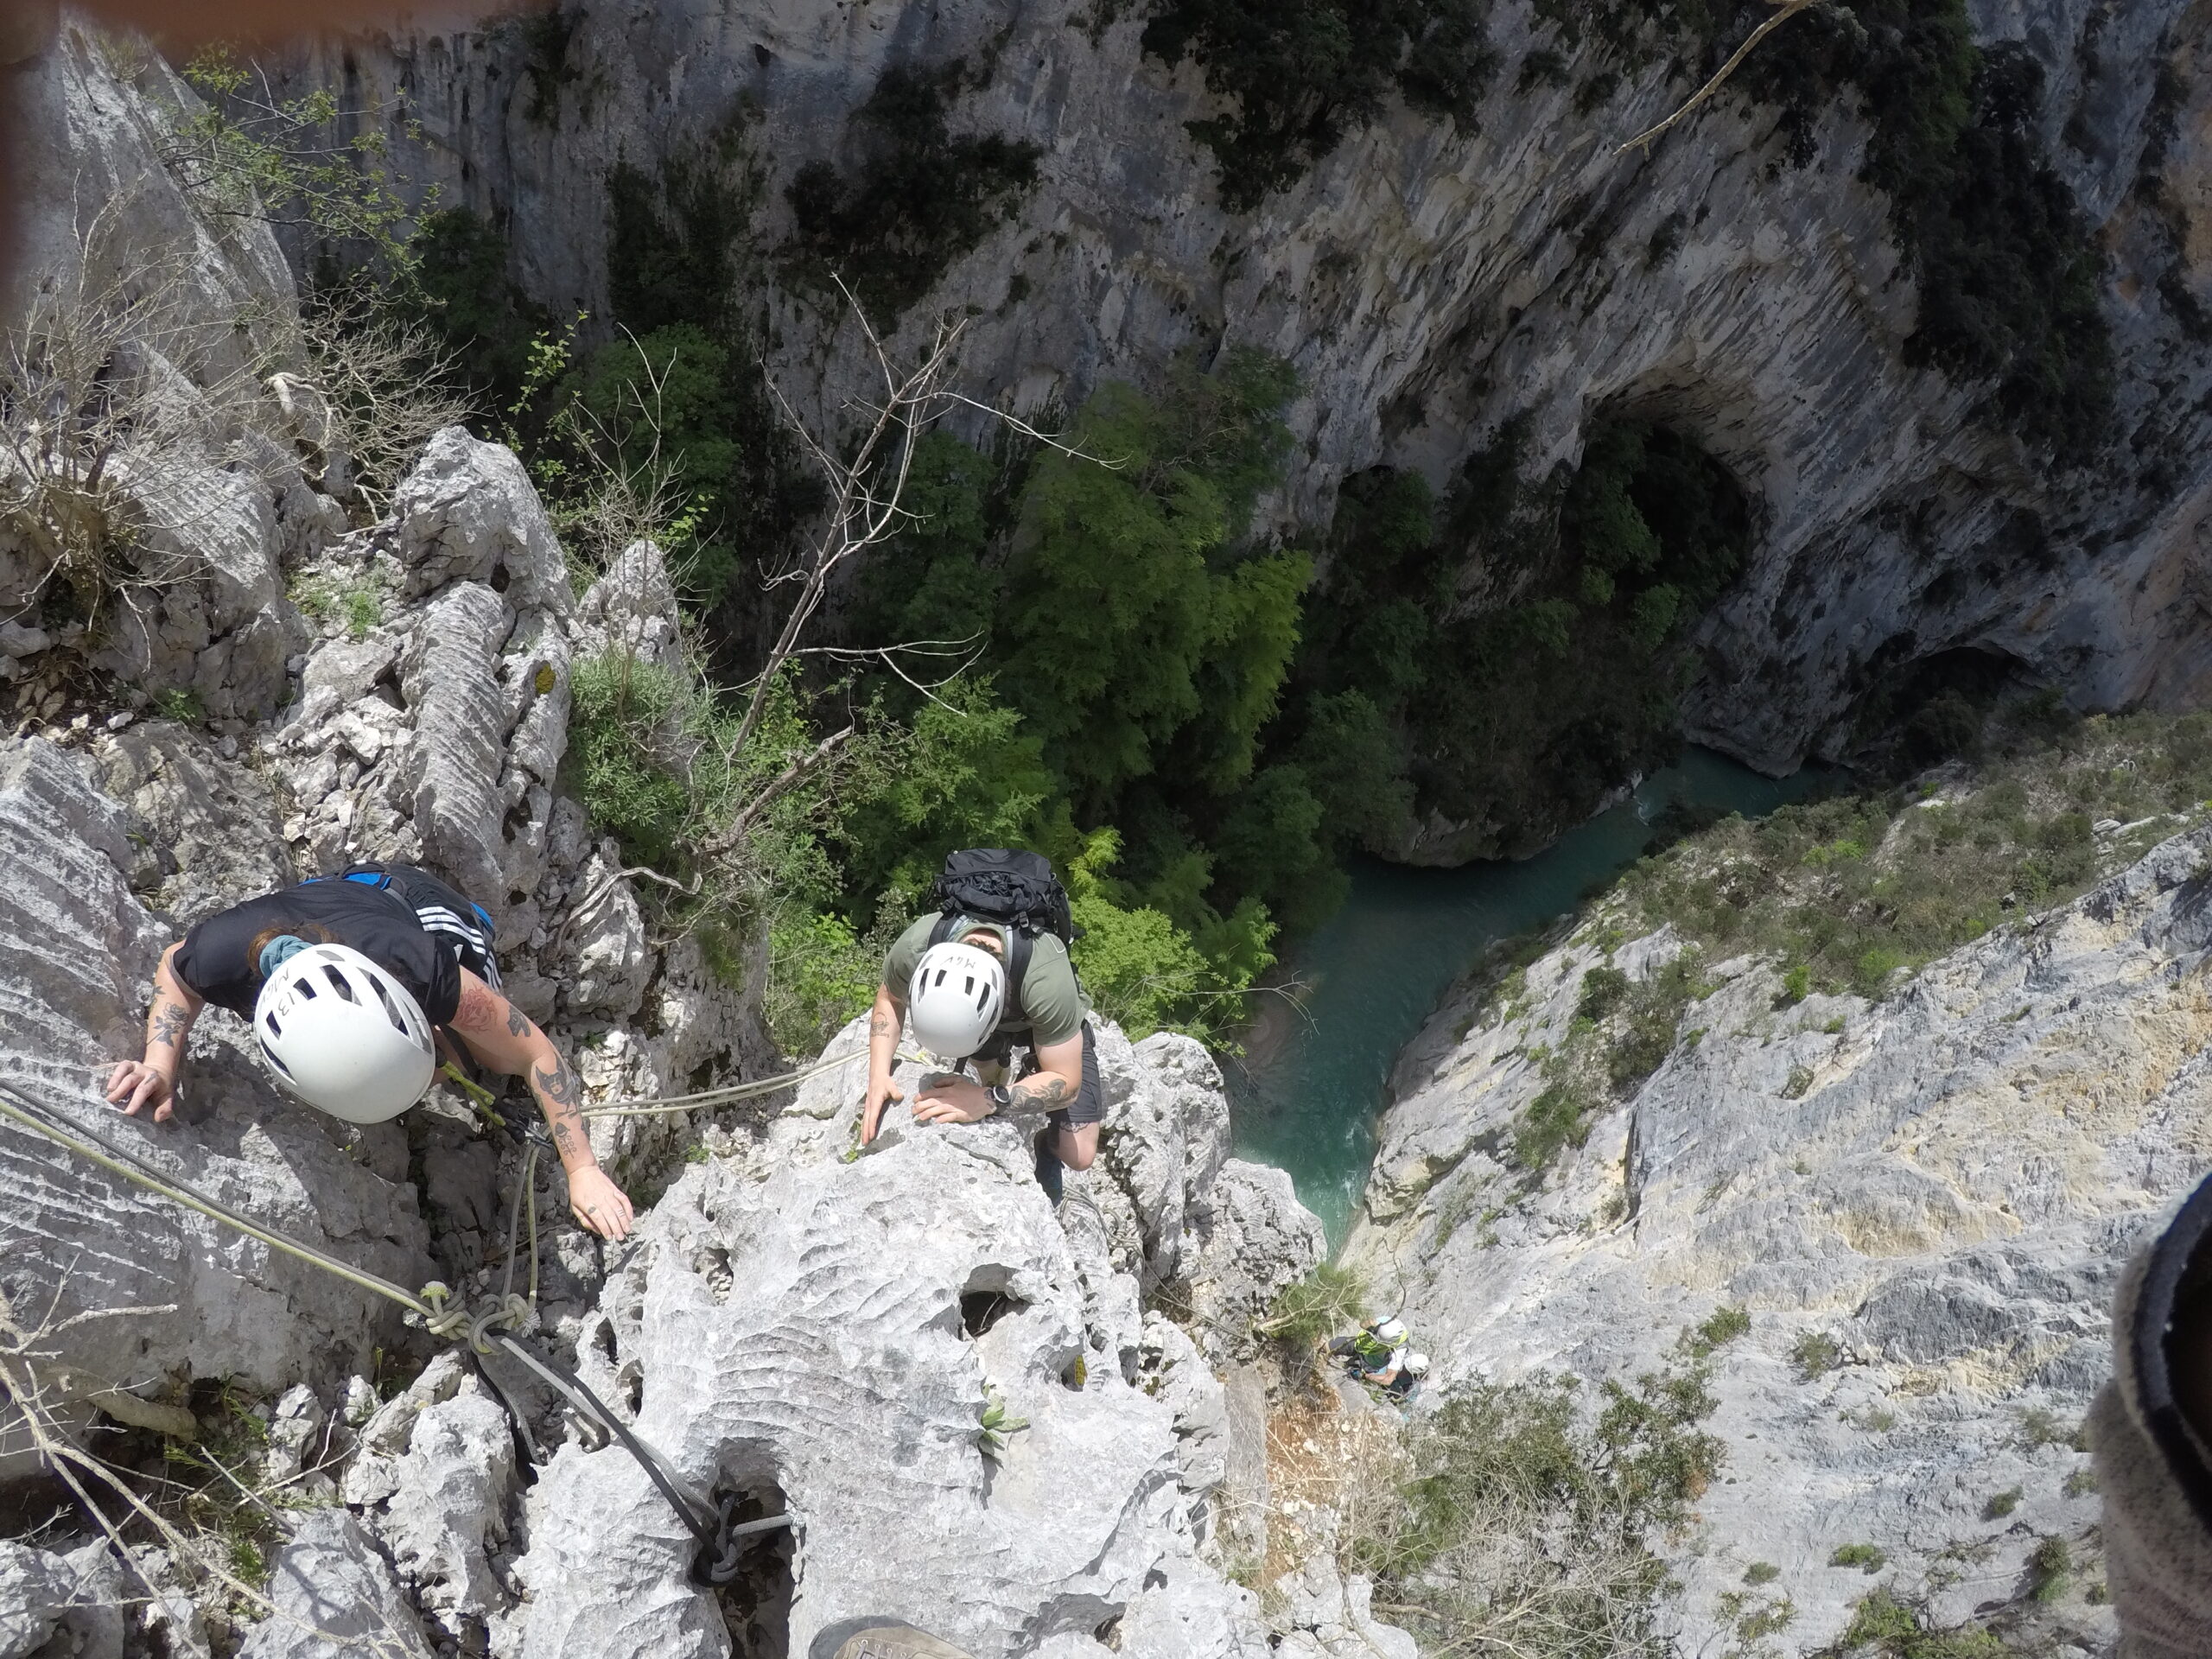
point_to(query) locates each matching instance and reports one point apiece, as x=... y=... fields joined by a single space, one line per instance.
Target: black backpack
x=1018 y=889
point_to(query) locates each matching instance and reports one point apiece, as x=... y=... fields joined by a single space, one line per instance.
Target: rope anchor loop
x=718 y=1562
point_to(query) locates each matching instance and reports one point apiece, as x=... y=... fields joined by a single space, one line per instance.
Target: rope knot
x=442 y=1321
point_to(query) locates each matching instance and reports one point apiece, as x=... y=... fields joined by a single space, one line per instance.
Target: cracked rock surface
x=1924 y=1204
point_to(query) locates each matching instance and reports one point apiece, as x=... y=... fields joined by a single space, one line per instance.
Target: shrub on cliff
x=1299 y=75
x=1515 y=1522
x=1853 y=889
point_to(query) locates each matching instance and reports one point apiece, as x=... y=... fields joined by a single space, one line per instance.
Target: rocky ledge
x=1920 y=1206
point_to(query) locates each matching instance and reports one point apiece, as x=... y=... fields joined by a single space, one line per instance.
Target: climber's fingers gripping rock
x=883 y=1027
x=598 y=1205
x=134 y=1085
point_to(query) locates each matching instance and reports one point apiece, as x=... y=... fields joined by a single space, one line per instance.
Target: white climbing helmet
x=1392 y=1330
x=343 y=1036
x=955 y=998
x=1415 y=1365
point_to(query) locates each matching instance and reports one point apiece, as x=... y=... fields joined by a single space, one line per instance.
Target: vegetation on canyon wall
x=2004 y=260
x=1848 y=894
x=1156 y=698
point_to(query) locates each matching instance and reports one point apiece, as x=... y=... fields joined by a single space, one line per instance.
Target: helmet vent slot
x=275 y=1059
x=307 y=986
x=338 y=982
x=391 y=1012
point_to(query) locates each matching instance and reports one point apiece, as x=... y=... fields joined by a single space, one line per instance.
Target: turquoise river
x=1317 y=1063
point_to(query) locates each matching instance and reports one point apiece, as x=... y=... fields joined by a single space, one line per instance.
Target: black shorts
x=1089 y=1104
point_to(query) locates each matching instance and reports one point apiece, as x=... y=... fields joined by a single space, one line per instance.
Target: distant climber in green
x=1372 y=1348
x=990 y=986
x=351 y=983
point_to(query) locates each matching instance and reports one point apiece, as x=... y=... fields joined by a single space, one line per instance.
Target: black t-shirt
x=221 y=958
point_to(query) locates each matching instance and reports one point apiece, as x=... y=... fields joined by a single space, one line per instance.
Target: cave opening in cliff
x=1920 y=711
x=1524 y=635
x=756 y=1603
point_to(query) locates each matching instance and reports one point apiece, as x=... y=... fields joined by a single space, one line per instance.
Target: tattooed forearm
x=881 y=1024
x=558 y=1085
x=560 y=1093
x=517 y=1022
x=170 y=1022
x=1046 y=1092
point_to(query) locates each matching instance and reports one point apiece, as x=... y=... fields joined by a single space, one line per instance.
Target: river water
x=1317 y=1060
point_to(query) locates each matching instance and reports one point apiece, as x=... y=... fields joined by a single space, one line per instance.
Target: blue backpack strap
x=377 y=879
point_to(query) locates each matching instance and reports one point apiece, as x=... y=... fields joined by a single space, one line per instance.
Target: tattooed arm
x=505 y=1039
x=883 y=1028
x=1055 y=1084
x=135 y=1084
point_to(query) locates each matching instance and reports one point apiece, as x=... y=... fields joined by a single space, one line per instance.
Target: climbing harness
x=482 y=1330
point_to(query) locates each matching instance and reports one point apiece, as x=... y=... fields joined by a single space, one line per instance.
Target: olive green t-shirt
x=1050 y=1001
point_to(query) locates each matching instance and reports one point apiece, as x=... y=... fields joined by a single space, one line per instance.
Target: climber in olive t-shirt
x=1046 y=1016
x=345 y=980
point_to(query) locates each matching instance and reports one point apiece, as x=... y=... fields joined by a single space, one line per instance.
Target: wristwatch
x=1000 y=1095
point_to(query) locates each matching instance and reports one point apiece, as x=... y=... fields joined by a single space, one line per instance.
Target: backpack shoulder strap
x=1020 y=944
x=942 y=929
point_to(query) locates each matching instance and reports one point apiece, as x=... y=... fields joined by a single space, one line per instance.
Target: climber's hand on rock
x=952 y=1100
x=135 y=1085
x=881 y=1091
x=598 y=1205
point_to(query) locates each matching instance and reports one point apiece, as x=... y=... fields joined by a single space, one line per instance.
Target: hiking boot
x=897 y=1641
x=1050 y=1170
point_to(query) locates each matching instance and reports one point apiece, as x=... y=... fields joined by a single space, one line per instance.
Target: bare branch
x=1785 y=10
x=791 y=775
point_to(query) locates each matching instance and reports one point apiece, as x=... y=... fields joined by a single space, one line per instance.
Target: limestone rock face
x=1924 y=1203
x=122 y=264
x=828 y=1336
x=335 y=1595
x=59 y=1606
x=1432 y=284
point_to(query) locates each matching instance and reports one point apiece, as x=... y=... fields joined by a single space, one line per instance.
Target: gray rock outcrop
x=59 y=1605
x=1923 y=1205
x=831 y=1335
x=129 y=288
x=334 y=1596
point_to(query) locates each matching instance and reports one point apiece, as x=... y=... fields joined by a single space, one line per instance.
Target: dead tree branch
x=1784 y=11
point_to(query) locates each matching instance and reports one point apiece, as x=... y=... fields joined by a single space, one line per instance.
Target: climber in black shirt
x=349 y=984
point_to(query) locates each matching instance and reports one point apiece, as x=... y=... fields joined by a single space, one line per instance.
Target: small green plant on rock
x=2048 y=1565
x=1329 y=1299
x=1865 y=1557
x=359 y=605
x=1799 y=1081
x=2001 y=1504
x=994 y=1424
x=179 y=704
x=2040 y=1427
x=1723 y=1326
x=1761 y=1573
x=1816 y=1354
x=1895 y=1630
